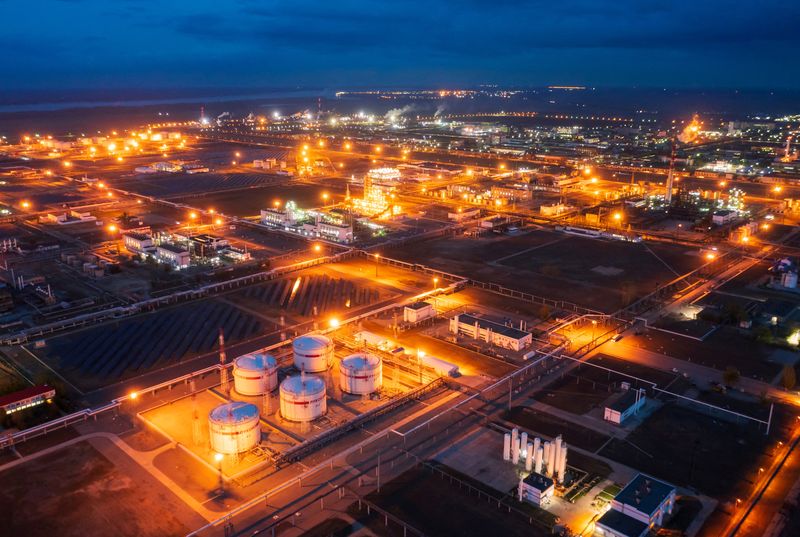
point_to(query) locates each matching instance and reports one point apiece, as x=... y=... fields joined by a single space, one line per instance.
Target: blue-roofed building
x=640 y=506
x=615 y=524
x=491 y=332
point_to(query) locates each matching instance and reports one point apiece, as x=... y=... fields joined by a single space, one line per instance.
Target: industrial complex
x=469 y=316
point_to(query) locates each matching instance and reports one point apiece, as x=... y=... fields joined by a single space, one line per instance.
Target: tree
x=788 y=377
x=731 y=376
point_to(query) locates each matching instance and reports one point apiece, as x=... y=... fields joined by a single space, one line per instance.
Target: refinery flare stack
x=542 y=457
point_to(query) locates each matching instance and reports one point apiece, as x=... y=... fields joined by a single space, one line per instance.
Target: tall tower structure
x=670 y=175
x=223 y=372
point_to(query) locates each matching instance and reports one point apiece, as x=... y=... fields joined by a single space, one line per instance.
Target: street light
x=334 y=323
x=377 y=256
x=435 y=282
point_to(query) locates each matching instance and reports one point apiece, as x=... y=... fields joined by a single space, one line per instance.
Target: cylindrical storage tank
x=361 y=374
x=313 y=353
x=303 y=398
x=255 y=374
x=537 y=460
x=234 y=428
x=507 y=447
x=529 y=457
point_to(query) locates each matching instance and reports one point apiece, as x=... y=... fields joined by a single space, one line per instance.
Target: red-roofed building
x=26 y=398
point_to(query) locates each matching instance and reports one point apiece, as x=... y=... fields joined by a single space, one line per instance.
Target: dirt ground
x=78 y=492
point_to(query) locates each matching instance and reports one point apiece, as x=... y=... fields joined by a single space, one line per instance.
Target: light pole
x=377 y=256
x=594 y=324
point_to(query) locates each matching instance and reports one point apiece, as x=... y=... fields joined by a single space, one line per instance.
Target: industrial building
x=26 y=398
x=536 y=489
x=490 y=332
x=138 y=243
x=624 y=407
x=418 y=311
x=308 y=223
x=641 y=505
x=176 y=256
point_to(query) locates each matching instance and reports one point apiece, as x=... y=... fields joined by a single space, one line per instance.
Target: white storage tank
x=313 y=353
x=234 y=428
x=361 y=374
x=255 y=374
x=303 y=398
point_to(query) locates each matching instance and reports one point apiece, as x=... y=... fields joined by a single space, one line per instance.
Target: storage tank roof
x=297 y=386
x=257 y=361
x=360 y=361
x=311 y=342
x=235 y=412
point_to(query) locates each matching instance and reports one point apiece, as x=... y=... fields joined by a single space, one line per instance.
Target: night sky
x=410 y=43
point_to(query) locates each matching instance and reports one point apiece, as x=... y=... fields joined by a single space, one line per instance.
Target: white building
x=385 y=176
x=418 y=311
x=138 y=243
x=490 y=332
x=278 y=217
x=536 y=489
x=640 y=506
x=626 y=406
x=461 y=215
x=327 y=230
x=176 y=256
x=722 y=217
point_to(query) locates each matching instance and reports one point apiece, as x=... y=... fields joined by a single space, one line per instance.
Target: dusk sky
x=356 y=43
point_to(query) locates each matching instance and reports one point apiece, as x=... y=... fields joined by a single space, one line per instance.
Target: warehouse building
x=640 y=506
x=491 y=332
